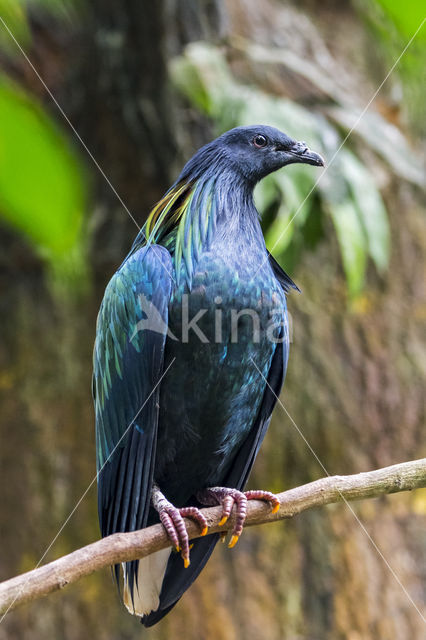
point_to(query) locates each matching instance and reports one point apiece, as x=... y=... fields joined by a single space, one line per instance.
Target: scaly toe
x=195 y=514
x=175 y=527
x=173 y=521
x=267 y=496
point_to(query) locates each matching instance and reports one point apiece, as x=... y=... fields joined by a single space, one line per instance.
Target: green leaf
x=266 y=193
x=370 y=208
x=201 y=74
x=14 y=15
x=383 y=138
x=352 y=242
x=293 y=207
x=42 y=192
x=407 y=16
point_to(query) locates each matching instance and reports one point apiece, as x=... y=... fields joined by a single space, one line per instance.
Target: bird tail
x=141 y=593
x=178 y=579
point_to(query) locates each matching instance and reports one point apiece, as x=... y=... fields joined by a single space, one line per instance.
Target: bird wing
x=283 y=278
x=128 y=365
x=176 y=580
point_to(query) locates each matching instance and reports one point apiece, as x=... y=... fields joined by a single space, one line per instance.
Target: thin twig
x=122 y=547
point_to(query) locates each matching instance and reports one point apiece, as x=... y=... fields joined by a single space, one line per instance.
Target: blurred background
x=146 y=84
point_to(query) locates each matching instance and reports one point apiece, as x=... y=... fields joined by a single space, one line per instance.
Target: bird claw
x=227 y=497
x=172 y=520
x=233 y=541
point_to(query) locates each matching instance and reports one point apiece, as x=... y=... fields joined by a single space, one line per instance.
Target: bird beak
x=303 y=154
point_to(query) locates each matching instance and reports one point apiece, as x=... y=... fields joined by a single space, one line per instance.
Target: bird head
x=258 y=150
x=251 y=153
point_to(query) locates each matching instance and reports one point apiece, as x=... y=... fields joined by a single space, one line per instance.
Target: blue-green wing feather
x=128 y=363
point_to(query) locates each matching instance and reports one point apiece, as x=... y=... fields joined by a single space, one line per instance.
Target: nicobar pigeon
x=190 y=355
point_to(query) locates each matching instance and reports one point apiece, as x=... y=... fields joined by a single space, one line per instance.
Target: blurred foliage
x=393 y=25
x=346 y=190
x=15 y=15
x=43 y=191
x=41 y=187
x=407 y=16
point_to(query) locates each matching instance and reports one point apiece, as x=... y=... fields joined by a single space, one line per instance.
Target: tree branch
x=122 y=547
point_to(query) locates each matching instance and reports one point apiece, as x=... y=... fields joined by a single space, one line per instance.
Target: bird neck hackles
x=184 y=221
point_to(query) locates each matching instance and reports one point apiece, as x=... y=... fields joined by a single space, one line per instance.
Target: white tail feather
x=146 y=594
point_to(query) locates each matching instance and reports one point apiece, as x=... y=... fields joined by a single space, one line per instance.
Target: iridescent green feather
x=183 y=222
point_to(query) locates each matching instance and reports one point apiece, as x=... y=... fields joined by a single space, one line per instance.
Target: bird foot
x=172 y=520
x=227 y=497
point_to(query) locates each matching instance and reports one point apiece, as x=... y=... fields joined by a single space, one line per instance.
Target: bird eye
x=260 y=141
